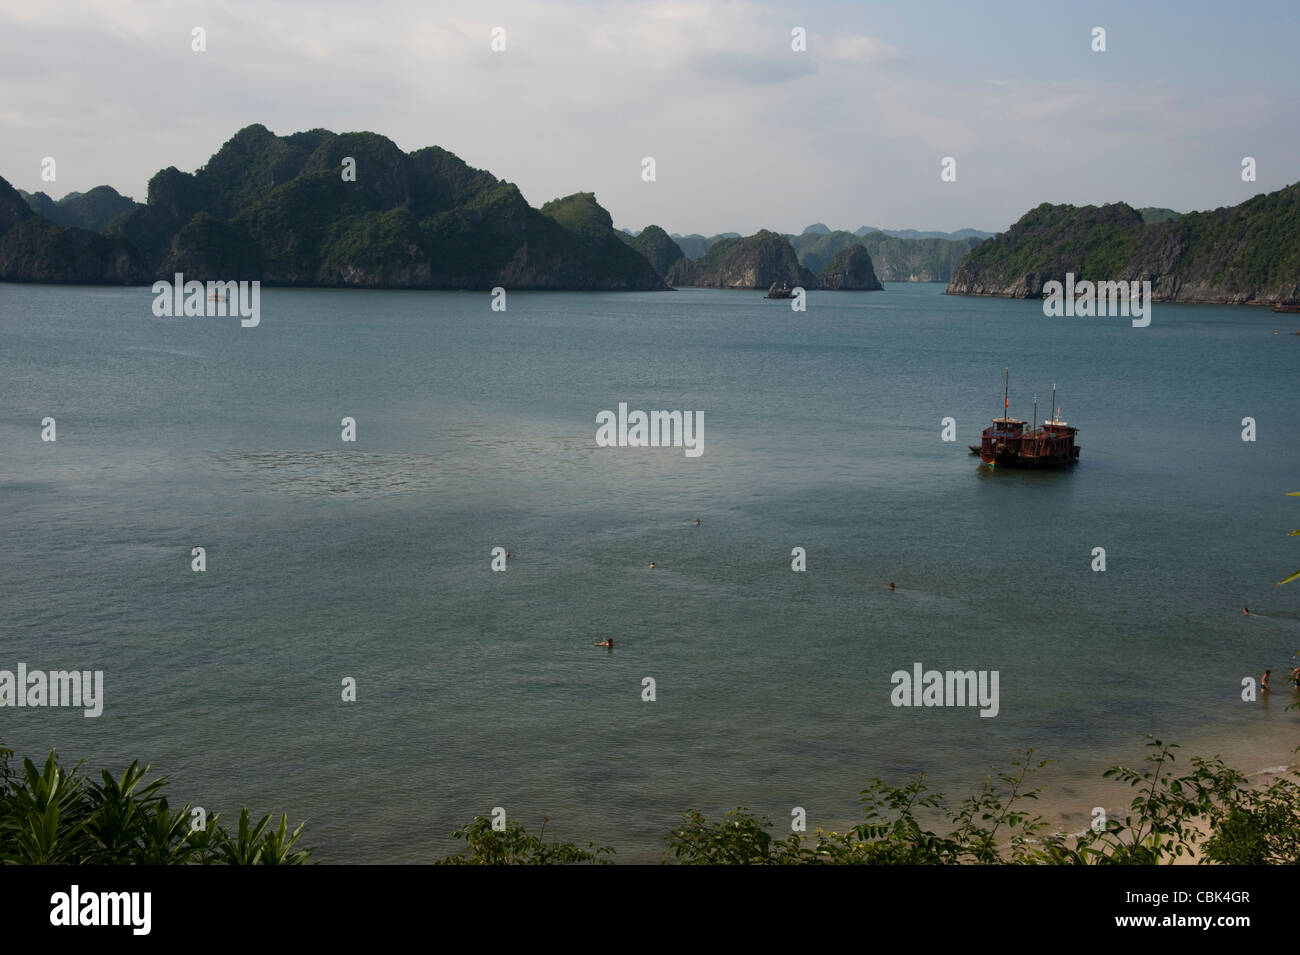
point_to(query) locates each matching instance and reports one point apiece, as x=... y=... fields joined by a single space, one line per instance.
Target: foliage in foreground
x=53 y=816
x=1209 y=814
x=514 y=845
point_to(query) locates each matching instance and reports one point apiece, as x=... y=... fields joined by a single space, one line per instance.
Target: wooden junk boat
x=1006 y=441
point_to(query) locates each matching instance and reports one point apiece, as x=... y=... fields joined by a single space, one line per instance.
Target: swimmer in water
x=1245 y=611
x=891 y=585
x=607 y=642
x=697 y=522
x=508 y=554
x=1263 y=683
x=652 y=565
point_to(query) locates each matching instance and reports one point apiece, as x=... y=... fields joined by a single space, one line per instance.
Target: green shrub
x=53 y=816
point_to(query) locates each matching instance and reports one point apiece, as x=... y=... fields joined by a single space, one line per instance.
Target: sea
x=349 y=656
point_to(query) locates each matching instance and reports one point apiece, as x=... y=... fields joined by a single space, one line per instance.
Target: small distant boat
x=1288 y=309
x=783 y=292
x=1007 y=442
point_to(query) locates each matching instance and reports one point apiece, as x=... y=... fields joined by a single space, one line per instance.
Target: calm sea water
x=476 y=428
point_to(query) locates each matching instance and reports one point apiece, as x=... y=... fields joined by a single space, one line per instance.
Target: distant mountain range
x=933 y=258
x=694 y=246
x=895 y=258
x=1242 y=254
x=92 y=210
x=820 y=228
x=758 y=261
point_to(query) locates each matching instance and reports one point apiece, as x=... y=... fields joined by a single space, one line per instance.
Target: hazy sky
x=746 y=133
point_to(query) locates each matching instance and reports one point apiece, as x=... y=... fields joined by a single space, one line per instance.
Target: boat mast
x=1006 y=395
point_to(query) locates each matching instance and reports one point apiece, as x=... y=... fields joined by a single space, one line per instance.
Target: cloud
x=857 y=48
x=745 y=130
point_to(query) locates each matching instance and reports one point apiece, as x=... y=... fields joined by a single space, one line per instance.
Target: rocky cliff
x=850 y=270
x=13 y=209
x=1236 y=255
x=752 y=262
x=658 y=247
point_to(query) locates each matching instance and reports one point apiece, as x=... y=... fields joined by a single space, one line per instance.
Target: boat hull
x=1015 y=459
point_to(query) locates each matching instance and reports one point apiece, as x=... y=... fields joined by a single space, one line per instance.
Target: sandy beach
x=1262 y=751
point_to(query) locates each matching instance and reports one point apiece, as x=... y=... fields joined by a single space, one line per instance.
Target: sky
x=745 y=131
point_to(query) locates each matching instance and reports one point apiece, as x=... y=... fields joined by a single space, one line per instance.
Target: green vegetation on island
x=318 y=208
x=1153 y=214
x=751 y=262
x=657 y=246
x=850 y=269
x=1245 y=254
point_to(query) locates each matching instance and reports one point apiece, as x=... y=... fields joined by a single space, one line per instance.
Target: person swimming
x=1245 y=611
x=697 y=522
x=891 y=585
x=607 y=642
x=652 y=565
x=1263 y=683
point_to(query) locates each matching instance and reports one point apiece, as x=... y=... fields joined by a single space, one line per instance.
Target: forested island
x=1245 y=254
x=284 y=210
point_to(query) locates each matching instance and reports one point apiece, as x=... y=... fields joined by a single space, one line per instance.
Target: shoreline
x=1262 y=752
x=1154 y=299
